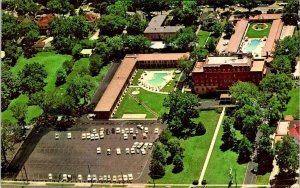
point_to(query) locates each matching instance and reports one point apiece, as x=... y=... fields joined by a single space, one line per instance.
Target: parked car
x=98 y=150
x=132 y=150
x=89 y=178
x=79 y=178
x=118 y=151
x=125 y=136
x=94 y=178
x=114 y=178
x=118 y=130
x=156 y=131
x=97 y=136
x=94 y=131
x=113 y=130
x=130 y=177
x=127 y=150
x=88 y=135
x=56 y=136
x=83 y=136
x=140 y=127
x=108 y=151
x=69 y=135
x=146 y=130
x=131 y=131
x=50 y=177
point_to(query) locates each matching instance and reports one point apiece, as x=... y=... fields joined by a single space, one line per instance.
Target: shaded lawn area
x=52 y=62
x=202 y=37
x=252 y=33
x=292 y=108
x=263 y=179
x=151 y=99
x=170 y=86
x=196 y=149
x=220 y=162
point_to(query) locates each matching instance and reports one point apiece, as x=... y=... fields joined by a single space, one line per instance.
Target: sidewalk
x=212 y=144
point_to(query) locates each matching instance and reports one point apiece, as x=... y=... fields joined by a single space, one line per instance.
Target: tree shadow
x=284 y=179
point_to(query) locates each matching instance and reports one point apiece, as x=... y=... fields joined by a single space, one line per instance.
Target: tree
x=19 y=111
x=59 y=7
x=155 y=5
x=12 y=52
x=28 y=41
x=200 y=129
x=118 y=8
x=135 y=44
x=282 y=64
x=63 y=44
x=165 y=135
x=228 y=136
x=10 y=28
x=245 y=150
x=159 y=153
x=174 y=147
x=23 y=7
x=249 y=4
x=199 y=53
x=274 y=109
x=76 y=51
x=178 y=163
x=182 y=110
x=136 y=25
x=228 y=29
x=185 y=14
x=290 y=15
x=185 y=66
x=157 y=170
x=264 y=149
x=211 y=44
x=217 y=29
x=111 y=25
x=286 y=152
x=60 y=77
x=68 y=66
x=32 y=77
x=79 y=87
x=289 y=46
x=96 y=63
x=184 y=40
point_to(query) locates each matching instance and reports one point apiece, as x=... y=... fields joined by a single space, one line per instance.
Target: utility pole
x=25 y=173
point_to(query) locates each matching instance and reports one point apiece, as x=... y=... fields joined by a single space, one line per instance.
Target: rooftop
x=44 y=20
x=155 y=26
x=237 y=36
x=233 y=60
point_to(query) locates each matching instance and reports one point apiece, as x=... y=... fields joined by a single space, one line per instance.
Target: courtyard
x=74 y=156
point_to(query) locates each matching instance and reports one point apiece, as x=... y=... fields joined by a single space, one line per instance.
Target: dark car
x=113 y=131
x=107 y=132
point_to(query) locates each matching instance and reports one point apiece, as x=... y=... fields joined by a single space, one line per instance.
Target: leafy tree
x=174 y=147
x=23 y=7
x=290 y=15
x=63 y=44
x=19 y=111
x=157 y=170
x=264 y=149
x=32 y=77
x=76 y=51
x=10 y=28
x=245 y=150
x=60 y=77
x=217 y=28
x=228 y=136
x=281 y=64
x=185 y=66
x=96 y=63
x=165 y=136
x=159 y=153
x=155 y=5
x=28 y=41
x=228 y=29
x=183 y=41
x=68 y=66
x=136 y=25
x=274 y=108
x=111 y=25
x=178 y=163
x=12 y=52
x=135 y=44
x=182 y=109
x=59 y=7
x=118 y=8
x=211 y=44
x=200 y=129
x=286 y=152
x=199 y=53
x=289 y=46
x=249 y=4
x=79 y=87
x=185 y=14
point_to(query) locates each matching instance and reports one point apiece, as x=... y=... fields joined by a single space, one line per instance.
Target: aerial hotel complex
x=114 y=92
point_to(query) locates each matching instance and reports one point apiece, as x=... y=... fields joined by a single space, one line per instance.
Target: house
x=92 y=17
x=290 y=127
x=44 y=23
x=208 y=19
x=218 y=73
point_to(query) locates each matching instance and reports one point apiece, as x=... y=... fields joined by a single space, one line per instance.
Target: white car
x=127 y=130
x=92 y=136
x=96 y=136
x=134 y=136
x=125 y=136
x=156 y=131
x=69 y=136
x=102 y=129
x=143 y=151
x=150 y=145
x=89 y=178
x=101 y=135
x=94 y=131
x=56 y=136
x=79 y=177
x=108 y=151
x=135 y=144
x=140 y=145
x=131 y=131
x=105 y=178
x=98 y=150
x=120 y=178
x=118 y=151
x=65 y=177
x=145 y=146
x=145 y=136
x=140 y=127
x=114 y=178
x=127 y=150
x=50 y=177
x=132 y=150
x=94 y=178
x=146 y=130
x=118 y=130
x=125 y=178
x=130 y=177
x=100 y=179
x=88 y=135
x=136 y=131
x=83 y=136
x=108 y=178
x=122 y=131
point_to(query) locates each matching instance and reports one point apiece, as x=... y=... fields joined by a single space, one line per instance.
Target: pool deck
x=257 y=51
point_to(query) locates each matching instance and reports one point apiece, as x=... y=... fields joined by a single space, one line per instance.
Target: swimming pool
x=250 y=48
x=158 y=79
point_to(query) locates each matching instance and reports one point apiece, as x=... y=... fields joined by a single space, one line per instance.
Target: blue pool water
x=158 y=79
x=252 y=46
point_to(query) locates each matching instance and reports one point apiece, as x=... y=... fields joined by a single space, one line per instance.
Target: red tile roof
x=39 y=44
x=237 y=37
x=295 y=131
x=90 y=17
x=44 y=20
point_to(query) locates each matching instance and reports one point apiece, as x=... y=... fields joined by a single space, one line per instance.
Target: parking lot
x=60 y=156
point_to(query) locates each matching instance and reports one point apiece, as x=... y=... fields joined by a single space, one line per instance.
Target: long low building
x=116 y=88
x=218 y=73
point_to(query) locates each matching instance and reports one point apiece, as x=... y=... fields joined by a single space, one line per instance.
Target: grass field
x=292 y=107
x=202 y=37
x=263 y=179
x=220 y=162
x=252 y=33
x=196 y=149
x=153 y=100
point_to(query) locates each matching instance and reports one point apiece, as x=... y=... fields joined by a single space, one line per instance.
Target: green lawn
x=252 y=33
x=196 y=149
x=202 y=37
x=292 y=107
x=220 y=162
x=263 y=179
x=52 y=62
x=151 y=99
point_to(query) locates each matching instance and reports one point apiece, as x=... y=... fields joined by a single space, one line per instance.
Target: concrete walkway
x=212 y=144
